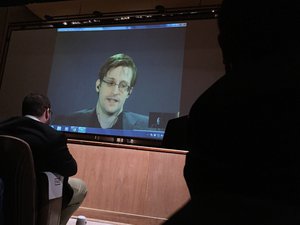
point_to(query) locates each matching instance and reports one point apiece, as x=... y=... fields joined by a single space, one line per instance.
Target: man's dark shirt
x=244 y=163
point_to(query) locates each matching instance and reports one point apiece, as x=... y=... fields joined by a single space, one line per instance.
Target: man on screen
x=114 y=85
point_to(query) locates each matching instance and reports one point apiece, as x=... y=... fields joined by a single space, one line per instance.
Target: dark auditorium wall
x=8 y=15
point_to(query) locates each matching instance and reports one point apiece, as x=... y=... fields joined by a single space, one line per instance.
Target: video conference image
x=115 y=80
x=160 y=52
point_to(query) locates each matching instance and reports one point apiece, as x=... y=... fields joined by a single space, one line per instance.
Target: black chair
x=25 y=193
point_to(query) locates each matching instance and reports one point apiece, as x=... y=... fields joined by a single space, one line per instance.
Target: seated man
x=49 y=149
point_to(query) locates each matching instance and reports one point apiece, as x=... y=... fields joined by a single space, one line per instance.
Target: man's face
x=111 y=98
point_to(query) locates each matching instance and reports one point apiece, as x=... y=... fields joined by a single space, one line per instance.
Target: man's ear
x=46 y=116
x=98 y=82
x=129 y=92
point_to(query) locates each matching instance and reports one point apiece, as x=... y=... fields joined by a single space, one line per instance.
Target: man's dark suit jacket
x=49 y=148
x=244 y=163
x=88 y=118
x=243 y=167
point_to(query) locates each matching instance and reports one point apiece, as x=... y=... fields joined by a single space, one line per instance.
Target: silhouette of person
x=243 y=167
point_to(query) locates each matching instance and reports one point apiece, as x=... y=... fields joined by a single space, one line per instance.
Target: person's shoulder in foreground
x=243 y=131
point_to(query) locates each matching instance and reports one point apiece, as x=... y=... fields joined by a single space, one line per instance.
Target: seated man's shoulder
x=30 y=130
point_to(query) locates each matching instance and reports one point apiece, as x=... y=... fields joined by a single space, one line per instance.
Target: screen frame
x=110 y=19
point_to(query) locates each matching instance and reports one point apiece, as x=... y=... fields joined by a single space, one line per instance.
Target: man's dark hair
x=119 y=60
x=35 y=104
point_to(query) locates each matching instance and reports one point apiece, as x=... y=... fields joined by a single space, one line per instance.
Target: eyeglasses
x=123 y=86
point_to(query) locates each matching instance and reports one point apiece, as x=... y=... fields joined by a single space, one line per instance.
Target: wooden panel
x=167 y=190
x=135 y=185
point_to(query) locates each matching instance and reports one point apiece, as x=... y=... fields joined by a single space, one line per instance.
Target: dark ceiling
x=7 y=3
x=67 y=8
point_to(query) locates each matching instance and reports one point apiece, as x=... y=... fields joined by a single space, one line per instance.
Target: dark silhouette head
x=253 y=30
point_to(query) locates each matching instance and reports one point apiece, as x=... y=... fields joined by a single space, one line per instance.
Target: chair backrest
x=48 y=211
x=26 y=194
x=18 y=176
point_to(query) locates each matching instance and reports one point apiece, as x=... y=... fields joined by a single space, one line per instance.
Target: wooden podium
x=130 y=184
